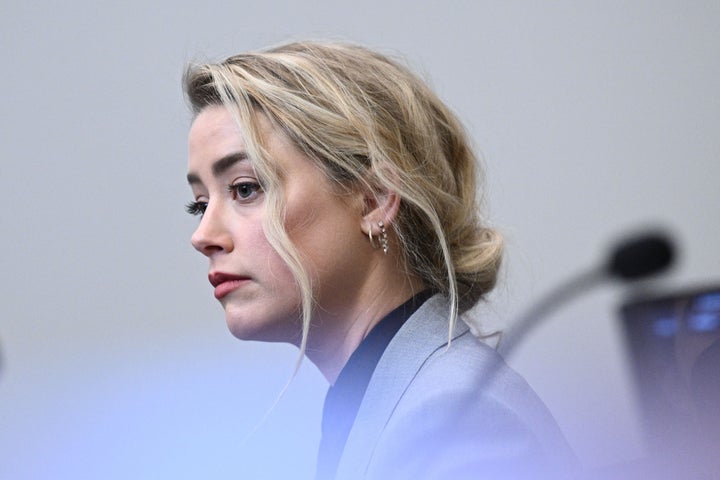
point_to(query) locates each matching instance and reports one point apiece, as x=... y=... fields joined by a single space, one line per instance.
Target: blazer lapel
x=423 y=333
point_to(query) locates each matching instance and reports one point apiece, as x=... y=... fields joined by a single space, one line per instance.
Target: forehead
x=216 y=137
x=213 y=132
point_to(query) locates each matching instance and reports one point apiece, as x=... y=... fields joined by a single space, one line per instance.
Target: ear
x=382 y=207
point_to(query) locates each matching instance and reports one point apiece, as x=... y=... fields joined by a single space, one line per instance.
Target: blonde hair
x=368 y=122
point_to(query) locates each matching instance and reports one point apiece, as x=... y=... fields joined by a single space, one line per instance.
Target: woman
x=337 y=196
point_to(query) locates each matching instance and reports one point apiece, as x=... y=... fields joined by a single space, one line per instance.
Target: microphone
x=633 y=258
x=641 y=256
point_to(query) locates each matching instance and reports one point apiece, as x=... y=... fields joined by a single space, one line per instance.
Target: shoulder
x=457 y=410
x=467 y=412
x=470 y=372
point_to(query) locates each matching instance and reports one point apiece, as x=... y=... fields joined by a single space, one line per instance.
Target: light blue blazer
x=430 y=412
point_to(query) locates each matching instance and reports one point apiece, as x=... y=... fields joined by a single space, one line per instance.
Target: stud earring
x=383 y=237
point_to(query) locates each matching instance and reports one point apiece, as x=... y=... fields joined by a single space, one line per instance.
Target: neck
x=337 y=336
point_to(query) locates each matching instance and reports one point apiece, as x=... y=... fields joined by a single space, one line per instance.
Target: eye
x=244 y=190
x=196 y=208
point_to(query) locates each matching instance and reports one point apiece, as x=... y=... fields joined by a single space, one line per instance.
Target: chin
x=262 y=329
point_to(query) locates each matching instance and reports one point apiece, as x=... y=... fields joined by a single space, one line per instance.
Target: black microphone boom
x=633 y=258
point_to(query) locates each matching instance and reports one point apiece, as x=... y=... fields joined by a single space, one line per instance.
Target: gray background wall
x=593 y=117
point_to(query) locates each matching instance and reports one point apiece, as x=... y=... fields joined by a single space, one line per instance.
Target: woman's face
x=259 y=294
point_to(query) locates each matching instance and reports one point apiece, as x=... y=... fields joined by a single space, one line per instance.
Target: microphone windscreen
x=641 y=256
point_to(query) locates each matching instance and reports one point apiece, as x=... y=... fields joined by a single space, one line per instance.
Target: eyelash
x=198 y=208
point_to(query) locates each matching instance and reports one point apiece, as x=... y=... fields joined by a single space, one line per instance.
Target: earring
x=383 y=237
x=370 y=236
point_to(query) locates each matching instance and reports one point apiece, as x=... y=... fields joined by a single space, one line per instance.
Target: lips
x=225 y=283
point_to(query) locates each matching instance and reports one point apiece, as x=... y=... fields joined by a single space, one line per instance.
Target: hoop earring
x=383 y=237
x=370 y=236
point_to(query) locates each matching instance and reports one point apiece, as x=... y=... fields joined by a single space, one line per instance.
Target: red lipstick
x=225 y=283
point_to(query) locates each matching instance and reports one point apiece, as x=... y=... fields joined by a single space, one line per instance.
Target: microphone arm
x=571 y=288
x=631 y=259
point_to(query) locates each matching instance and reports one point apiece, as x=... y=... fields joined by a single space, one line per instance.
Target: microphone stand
x=573 y=287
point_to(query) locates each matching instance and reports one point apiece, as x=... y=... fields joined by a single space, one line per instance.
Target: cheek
x=309 y=229
x=266 y=261
x=328 y=238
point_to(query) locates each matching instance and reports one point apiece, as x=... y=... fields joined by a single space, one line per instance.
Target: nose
x=211 y=235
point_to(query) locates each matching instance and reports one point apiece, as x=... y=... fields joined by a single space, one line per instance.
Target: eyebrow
x=220 y=166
